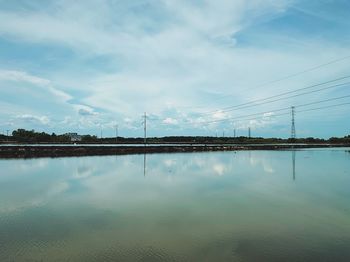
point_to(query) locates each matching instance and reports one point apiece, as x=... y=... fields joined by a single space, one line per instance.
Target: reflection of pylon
x=293 y=133
x=144 y=164
x=293 y=163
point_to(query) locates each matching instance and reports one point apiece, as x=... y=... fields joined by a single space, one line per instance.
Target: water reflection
x=293 y=163
x=219 y=206
x=144 y=164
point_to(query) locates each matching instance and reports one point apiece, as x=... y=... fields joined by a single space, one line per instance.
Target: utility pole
x=145 y=127
x=101 y=133
x=293 y=133
x=116 y=133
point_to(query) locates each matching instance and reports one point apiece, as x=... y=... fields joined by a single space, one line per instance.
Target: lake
x=216 y=206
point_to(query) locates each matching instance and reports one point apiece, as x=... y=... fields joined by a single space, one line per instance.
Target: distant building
x=74 y=137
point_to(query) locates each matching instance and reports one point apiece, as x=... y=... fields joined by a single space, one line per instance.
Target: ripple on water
x=135 y=253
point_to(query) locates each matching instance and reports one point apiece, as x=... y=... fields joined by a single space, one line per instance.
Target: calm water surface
x=219 y=206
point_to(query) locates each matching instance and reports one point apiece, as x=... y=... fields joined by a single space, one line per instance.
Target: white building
x=74 y=137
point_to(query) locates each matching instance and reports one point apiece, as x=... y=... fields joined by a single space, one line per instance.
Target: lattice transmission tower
x=293 y=133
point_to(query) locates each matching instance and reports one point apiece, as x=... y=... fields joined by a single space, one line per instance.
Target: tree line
x=31 y=136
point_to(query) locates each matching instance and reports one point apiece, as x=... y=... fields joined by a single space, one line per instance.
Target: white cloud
x=20 y=76
x=218 y=115
x=170 y=121
x=42 y=120
x=269 y=114
x=86 y=111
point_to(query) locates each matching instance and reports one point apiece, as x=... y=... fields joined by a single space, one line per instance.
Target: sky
x=88 y=66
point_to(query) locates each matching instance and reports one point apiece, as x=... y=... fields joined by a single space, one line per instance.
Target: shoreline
x=54 y=151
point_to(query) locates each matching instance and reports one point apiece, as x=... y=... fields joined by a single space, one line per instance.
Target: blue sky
x=83 y=66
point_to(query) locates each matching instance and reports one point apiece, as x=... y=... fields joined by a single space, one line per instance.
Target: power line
x=247 y=119
x=288 y=97
x=324 y=107
x=293 y=132
x=307 y=110
x=323 y=101
x=284 y=78
x=252 y=103
x=306 y=70
x=276 y=110
x=288 y=113
x=238 y=117
x=244 y=117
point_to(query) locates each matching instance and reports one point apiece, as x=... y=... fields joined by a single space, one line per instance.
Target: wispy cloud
x=41 y=120
x=20 y=76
